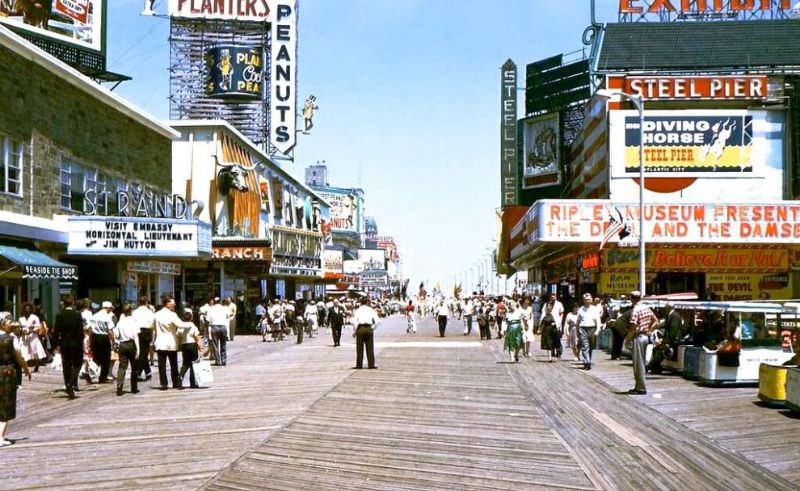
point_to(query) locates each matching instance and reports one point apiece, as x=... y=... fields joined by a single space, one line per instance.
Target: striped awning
x=36 y=264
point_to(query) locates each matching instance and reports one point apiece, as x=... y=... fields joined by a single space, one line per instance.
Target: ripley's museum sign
x=235 y=71
x=131 y=236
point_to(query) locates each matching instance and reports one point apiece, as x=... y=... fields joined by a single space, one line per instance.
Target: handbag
x=203 y=373
x=56 y=364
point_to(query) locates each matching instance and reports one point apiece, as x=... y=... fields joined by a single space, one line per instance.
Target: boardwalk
x=438 y=414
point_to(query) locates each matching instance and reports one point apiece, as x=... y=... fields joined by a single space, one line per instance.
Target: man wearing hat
x=642 y=321
x=102 y=323
x=588 y=326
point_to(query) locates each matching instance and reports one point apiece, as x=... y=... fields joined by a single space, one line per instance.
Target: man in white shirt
x=469 y=313
x=365 y=319
x=168 y=327
x=101 y=324
x=276 y=316
x=218 y=320
x=588 y=326
x=144 y=317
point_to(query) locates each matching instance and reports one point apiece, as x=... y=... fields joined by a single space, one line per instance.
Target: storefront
x=266 y=226
x=123 y=258
x=723 y=251
x=25 y=271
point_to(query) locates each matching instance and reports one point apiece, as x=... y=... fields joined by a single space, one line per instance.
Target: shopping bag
x=91 y=370
x=202 y=373
x=56 y=364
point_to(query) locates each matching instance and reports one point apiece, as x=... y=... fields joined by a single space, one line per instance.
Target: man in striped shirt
x=642 y=321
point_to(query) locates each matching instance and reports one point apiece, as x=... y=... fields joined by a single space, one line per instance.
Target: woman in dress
x=527 y=327
x=32 y=343
x=547 y=327
x=513 y=335
x=10 y=362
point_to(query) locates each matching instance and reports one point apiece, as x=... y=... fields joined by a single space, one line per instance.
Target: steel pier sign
x=508 y=135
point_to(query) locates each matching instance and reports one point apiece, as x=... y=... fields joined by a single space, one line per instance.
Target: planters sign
x=282 y=16
x=235 y=71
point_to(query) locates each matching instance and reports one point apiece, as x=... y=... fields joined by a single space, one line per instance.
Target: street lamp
x=638 y=103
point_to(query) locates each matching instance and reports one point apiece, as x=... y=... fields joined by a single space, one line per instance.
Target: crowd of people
x=521 y=319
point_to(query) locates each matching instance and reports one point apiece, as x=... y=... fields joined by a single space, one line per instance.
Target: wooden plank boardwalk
x=438 y=414
x=733 y=417
x=165 y=440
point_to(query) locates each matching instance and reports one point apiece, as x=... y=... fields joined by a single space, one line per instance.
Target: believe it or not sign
x=241 y=253
x=508 y=134
x=235 y=71
x=676 y=223
x=692 y=88
x=691 y=143
x=709 y=259
x=109 y=236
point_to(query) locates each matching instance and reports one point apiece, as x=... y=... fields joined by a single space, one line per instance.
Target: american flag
x=614 y=227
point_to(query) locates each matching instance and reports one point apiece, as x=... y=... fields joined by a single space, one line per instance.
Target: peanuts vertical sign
x=283 y=86
x=508 y=134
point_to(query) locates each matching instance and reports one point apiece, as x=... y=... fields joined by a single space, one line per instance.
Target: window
x=74 y=179
x=10 y=165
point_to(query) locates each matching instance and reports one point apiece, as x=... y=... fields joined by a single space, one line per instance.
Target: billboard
x=343 y=210
x=542 y=152
x=76 y=22
x=607 y=221
x=235 y=71
x=332 y=264
x=683 y=143
x=508 y=135
x=282 y=17
x=704 y=87
x=372 y=258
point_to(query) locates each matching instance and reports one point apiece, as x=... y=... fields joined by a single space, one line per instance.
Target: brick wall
x=56 y=120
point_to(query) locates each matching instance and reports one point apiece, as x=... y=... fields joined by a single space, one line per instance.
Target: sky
x=409 y=105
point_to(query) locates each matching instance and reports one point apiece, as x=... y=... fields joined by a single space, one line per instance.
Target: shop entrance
x=678 y=283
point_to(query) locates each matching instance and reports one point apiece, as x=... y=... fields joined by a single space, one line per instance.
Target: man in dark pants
x=68 y=337
x=336 y=319
x=619 y=328
x=441 y=316
x=366 y=320
x=144 y=316
x=101 y=325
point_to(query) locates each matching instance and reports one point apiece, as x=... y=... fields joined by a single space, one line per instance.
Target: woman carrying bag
x=11 y=362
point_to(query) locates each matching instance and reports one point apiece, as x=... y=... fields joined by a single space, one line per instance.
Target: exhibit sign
x=112 y=236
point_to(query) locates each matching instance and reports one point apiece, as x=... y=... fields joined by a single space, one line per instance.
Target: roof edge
x=31 y=52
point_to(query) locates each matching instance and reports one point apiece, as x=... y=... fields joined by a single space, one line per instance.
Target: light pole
x=638 y=103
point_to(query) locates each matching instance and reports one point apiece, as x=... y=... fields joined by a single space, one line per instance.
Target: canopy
x=36 y=264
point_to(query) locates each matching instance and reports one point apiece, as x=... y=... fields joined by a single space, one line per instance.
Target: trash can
x=793 y=389
x=772 y=384
x=691 y=362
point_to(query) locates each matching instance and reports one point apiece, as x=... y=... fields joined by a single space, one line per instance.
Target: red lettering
x=737 y=5
x=626 y=7
x=659 y=4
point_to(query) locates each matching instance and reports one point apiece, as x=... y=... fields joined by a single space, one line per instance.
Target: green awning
x=36 y=264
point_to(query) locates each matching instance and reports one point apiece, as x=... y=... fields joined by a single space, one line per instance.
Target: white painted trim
x=72 y=76
x=215 y=123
